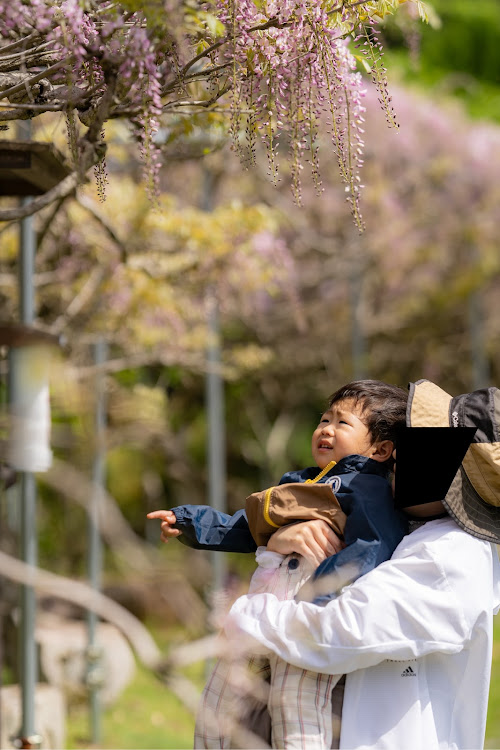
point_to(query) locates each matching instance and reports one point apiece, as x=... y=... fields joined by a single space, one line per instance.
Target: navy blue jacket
x=373 y=527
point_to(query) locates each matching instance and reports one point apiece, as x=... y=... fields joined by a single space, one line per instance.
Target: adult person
x=414 y=636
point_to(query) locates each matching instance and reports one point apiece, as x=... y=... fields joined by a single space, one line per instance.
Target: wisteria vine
x=284 y=64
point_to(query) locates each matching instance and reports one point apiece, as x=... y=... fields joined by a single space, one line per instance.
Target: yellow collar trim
x=322 y=473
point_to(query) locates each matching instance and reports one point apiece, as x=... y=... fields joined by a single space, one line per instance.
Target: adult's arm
x=423 y=600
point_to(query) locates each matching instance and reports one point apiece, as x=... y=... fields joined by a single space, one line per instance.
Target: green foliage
x=468 y=39
x=125 y=466
x=62 y=535
x=459 y=58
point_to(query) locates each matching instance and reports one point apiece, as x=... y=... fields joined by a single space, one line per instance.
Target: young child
x=352 y=447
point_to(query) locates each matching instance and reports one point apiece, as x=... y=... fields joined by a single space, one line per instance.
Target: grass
x=147 y=716
x=493 y=724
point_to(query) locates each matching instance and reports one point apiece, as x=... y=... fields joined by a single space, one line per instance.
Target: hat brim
x=471 y=512
x=428 y=405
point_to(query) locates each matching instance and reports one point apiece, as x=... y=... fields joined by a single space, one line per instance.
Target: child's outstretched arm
x=203 y=527
x=168 y=520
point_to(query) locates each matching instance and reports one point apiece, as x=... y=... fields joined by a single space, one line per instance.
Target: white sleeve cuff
x=267 y=559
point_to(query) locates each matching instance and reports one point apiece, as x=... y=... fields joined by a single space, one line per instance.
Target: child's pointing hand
x=168 y=520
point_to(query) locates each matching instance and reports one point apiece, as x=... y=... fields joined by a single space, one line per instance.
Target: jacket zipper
x=321 y=474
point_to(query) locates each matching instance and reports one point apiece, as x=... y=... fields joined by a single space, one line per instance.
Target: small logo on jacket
x=335 y=482
x=408 y=672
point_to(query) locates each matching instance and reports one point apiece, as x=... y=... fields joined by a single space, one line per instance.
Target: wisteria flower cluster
x=286 y=80
x=283 y=64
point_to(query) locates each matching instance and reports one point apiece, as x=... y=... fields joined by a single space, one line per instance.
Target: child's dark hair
x=383 y=406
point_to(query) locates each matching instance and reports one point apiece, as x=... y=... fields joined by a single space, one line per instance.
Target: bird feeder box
x=28 y=443
x=30 y=168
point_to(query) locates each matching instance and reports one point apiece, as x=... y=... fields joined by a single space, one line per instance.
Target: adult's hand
x=315 y=540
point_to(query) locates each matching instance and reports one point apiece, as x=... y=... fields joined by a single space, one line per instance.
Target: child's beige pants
x=299 y=701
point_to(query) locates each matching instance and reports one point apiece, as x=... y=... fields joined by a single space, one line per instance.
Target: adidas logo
x=408 y=672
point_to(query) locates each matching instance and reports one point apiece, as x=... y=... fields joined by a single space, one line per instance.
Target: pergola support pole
x=215 y=406
x=216 y=435
x=94 y=560
x=28 y=534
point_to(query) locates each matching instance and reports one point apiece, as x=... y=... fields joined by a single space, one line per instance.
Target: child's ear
x=382 y=451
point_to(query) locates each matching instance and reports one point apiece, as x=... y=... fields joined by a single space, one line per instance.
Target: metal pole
x=214 y=394
x=216 y=433
x=28 y=534
x=479 y=359
x=94 y=652
x=26 y=269
x=357 y=335
x=28 y=656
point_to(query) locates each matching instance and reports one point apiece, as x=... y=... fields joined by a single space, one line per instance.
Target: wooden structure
x=30 y=168
x=16 y=334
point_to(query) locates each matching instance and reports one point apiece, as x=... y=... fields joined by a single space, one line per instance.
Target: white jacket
x=414 y=637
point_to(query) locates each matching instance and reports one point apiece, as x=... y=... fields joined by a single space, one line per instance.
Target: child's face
x=340 y=433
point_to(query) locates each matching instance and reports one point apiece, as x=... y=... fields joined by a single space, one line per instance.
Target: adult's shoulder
x=441 y=537
x=466 y=564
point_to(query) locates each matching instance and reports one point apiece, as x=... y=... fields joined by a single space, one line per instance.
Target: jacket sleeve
x=204 y=527
x=403 y=609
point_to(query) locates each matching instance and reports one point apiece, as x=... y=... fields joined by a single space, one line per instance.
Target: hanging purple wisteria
x=277 y=68
x=284 y=81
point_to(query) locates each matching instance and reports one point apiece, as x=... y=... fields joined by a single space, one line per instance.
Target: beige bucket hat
x=473 y=499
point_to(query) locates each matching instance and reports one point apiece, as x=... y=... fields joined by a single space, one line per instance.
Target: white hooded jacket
x=414 y=637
